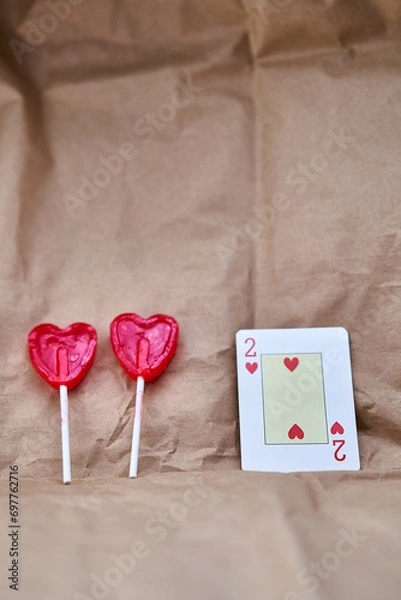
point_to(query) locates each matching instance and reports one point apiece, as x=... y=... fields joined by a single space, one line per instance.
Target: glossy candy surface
x=144 y=347
x=62 y=356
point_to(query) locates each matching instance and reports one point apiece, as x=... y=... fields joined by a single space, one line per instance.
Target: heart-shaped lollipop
x=144 y=348
x=62 y=357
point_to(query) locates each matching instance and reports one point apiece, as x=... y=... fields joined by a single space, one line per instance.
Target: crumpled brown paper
x=233 y=164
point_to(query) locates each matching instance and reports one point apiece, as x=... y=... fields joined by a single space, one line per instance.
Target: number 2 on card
x=340 y=444
x=249 y=352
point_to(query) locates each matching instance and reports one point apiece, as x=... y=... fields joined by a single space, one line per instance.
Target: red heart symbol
x=251 y=367
x=296 y=432
x=144 y=347
x=62 y=356
x=337 y=428
x=291 y=364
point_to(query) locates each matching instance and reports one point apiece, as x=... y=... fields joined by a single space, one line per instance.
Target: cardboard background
x=269 y=199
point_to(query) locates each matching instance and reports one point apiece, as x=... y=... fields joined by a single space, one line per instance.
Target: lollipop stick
x=136 y=434
x=65 y=435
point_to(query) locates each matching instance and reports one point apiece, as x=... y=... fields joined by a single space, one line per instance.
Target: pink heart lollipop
x=62 y=357
x=144 y=348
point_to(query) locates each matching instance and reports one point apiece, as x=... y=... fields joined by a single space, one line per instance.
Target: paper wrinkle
x=123 y=420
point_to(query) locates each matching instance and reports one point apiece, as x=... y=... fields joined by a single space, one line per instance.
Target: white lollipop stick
x=65 y=434
x=136 y=434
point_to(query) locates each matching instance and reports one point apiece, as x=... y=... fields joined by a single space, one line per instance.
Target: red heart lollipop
x=144 y=348
x=62 y=356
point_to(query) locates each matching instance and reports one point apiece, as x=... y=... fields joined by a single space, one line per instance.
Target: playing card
x=296 y=400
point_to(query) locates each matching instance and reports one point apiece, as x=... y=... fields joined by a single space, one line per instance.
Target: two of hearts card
x=296 y=401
